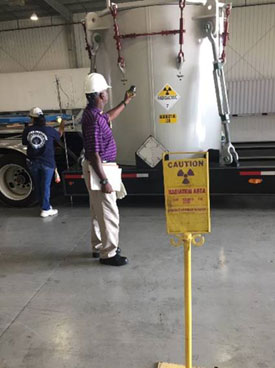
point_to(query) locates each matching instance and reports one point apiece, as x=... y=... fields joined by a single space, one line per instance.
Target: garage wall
x=34 y=58
x=24 y=90
x=251 y=52
x=47 y=48
x=250 y=2
x=250 y=71
x=250 y=68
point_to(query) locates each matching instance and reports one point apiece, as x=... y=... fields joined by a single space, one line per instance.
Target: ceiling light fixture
x=34 y=17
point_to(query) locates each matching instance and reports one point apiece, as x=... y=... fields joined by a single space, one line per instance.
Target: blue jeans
x=42 y=176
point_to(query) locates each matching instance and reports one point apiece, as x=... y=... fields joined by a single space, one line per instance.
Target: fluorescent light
x=34 y=17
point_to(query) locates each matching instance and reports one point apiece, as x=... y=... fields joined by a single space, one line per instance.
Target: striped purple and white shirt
x=97 y=134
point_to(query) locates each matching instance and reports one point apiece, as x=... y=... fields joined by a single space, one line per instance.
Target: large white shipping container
x=185 y=93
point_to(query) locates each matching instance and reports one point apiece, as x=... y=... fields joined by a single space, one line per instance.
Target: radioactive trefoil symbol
x=167 y=90
x=185 y=176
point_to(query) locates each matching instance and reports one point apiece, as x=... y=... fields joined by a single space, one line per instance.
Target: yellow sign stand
x=186 y=186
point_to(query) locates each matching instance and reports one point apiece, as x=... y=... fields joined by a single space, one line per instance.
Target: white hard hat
x=35 y=112
x=95 y=82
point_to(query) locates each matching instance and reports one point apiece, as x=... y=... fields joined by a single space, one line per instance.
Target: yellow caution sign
x=168 y=118
x=186 y=185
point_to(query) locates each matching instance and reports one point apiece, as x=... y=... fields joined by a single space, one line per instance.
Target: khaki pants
x=104 y=219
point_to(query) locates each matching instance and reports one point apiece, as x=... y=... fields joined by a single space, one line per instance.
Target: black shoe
x=97 y=255
x=117 y=260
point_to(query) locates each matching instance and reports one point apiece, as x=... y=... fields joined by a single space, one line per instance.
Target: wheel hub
x=15 y=182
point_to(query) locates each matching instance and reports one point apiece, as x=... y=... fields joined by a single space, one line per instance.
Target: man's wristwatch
x=104 y=181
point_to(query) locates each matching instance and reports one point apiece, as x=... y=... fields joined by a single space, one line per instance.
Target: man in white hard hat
x=100 y=147
x=39 y=140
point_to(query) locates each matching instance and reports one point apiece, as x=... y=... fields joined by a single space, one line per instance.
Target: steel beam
x=61 y=9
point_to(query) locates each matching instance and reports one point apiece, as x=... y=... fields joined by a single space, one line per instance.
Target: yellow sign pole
x=187 y=238
x=186 y=184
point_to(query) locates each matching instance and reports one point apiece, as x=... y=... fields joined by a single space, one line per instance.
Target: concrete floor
x=61 y=308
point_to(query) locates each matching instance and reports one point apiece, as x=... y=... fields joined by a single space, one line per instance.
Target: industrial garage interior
x=60 y=306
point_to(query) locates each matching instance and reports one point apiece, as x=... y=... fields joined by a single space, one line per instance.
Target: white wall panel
x=249 y=2
x=43 y=48
x=8 y=25
x=250 y=71
x=33 y=49
x=252 y=96
x=238 y=2
x=250 y=51
x=21 y=91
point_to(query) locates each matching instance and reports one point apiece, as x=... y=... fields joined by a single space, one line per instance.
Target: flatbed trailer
x=254 y=175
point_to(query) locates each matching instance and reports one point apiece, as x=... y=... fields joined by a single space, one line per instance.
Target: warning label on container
x=167 y=97
x=168 y=118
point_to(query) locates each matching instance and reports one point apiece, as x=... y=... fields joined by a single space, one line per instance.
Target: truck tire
x=16 y=184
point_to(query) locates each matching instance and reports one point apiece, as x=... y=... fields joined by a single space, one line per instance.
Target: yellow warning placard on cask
x=168 y=118
x=167 y=97
x=186 y=187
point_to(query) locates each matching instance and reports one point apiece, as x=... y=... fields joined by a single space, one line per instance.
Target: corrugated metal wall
x=250 y=2
x=39 y=49
x=256 y=96
x=250 y=68
x=251 y=52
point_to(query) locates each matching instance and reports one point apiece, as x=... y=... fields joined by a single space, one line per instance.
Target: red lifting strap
x=180 y=57
x=225 y=34
x=120 y=60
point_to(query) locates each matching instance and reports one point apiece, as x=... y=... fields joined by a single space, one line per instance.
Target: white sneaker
x=50 y=212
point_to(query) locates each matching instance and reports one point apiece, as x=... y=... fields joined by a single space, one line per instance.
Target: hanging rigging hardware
x=228 y=152
x=225 y=34
x=92 y=49
x=120 y=60
x=180 y=58
x=118 y=37
x=88 y=48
